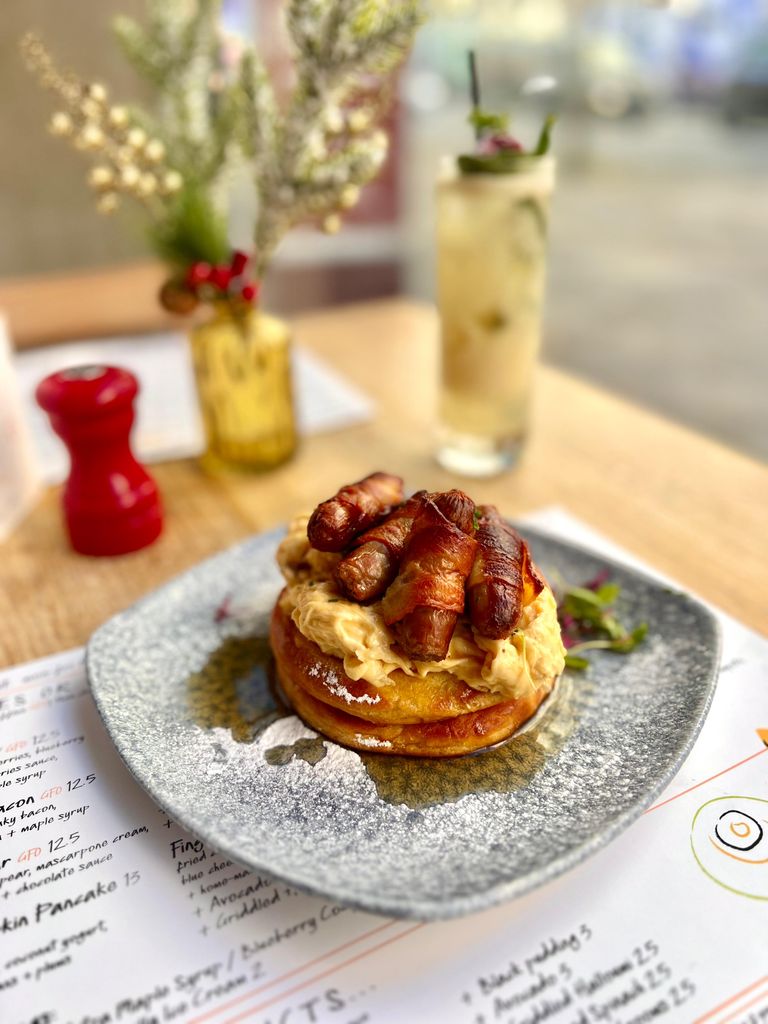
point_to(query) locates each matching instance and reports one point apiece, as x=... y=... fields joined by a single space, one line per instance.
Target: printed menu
x=111 y=912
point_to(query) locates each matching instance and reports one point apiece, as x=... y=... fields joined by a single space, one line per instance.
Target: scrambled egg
x=525 y=662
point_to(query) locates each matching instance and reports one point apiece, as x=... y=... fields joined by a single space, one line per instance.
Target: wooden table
x=690 y=507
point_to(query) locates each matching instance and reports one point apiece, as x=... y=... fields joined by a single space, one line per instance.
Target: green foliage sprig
x=326 y=144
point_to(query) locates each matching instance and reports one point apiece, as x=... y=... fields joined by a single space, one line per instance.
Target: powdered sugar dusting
x=371 y=741
x=340 y=764
x=338 y=689
x=333 y=682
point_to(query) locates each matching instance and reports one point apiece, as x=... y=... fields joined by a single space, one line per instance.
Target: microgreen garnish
x=476 y=515
x=589 y=623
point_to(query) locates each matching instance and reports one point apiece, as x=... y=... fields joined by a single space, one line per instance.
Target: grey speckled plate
x=180 y=682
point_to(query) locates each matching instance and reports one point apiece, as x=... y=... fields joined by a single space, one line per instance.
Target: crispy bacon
x=533 y=581
x=354 y=508
x=457 y=507
x=424 y=601
x=368 y=570
x=501 y=578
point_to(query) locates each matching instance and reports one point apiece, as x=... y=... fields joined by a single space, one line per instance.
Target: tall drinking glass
x=491 y=263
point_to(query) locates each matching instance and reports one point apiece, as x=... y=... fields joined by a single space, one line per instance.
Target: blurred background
x=659 y=230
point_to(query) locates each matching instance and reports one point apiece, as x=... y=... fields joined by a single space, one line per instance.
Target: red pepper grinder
x=111 y=504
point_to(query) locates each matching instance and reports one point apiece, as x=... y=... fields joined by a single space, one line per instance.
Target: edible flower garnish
x=588 y=621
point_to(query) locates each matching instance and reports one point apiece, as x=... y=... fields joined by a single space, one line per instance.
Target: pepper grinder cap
x=86 y=391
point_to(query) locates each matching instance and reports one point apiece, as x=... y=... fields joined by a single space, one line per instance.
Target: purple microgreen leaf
x=602 y=577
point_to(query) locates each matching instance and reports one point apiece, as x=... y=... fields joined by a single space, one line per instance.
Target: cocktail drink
x=491 y=262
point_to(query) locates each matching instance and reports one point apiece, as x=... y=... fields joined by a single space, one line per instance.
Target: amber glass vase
x=243 y=376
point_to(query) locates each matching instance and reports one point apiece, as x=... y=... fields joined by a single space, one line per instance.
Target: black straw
x=474 y=87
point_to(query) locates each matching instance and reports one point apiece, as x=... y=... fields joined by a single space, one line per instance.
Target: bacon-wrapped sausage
x=501 y=576
x=368 y=570
x=425 y=633
x=424 y=601
x=458 y=508
x=354 y=508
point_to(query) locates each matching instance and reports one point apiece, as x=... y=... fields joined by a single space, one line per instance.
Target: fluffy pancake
x=449 y=737
x=404 y=700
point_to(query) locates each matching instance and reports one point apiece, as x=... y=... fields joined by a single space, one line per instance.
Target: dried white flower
x=154 y=150
x=172 y=182
x=332 y=224
x=349 y=197
x=60 y=124
x=358 y=120
x=91 y=109
x=101 y=176
x=334 y=120
x=129 y=176
x=118 y=116
x=136 y=138
x=97 y=92
x=90 y=137
x=316 y=145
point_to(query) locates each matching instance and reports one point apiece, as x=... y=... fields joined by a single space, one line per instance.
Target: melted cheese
x=525 y=662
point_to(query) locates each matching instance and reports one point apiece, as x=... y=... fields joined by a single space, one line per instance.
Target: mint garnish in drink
x=496 y=150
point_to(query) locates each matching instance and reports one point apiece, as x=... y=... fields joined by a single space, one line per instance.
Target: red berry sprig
x=225 y=280
x=206 y=282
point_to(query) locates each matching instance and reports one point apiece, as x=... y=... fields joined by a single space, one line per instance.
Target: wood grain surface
x=84 y=304
x=690 y=507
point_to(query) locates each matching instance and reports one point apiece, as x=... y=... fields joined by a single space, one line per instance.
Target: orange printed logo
x=729 y=839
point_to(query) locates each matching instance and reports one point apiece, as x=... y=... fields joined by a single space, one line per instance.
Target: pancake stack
x=421 y=568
